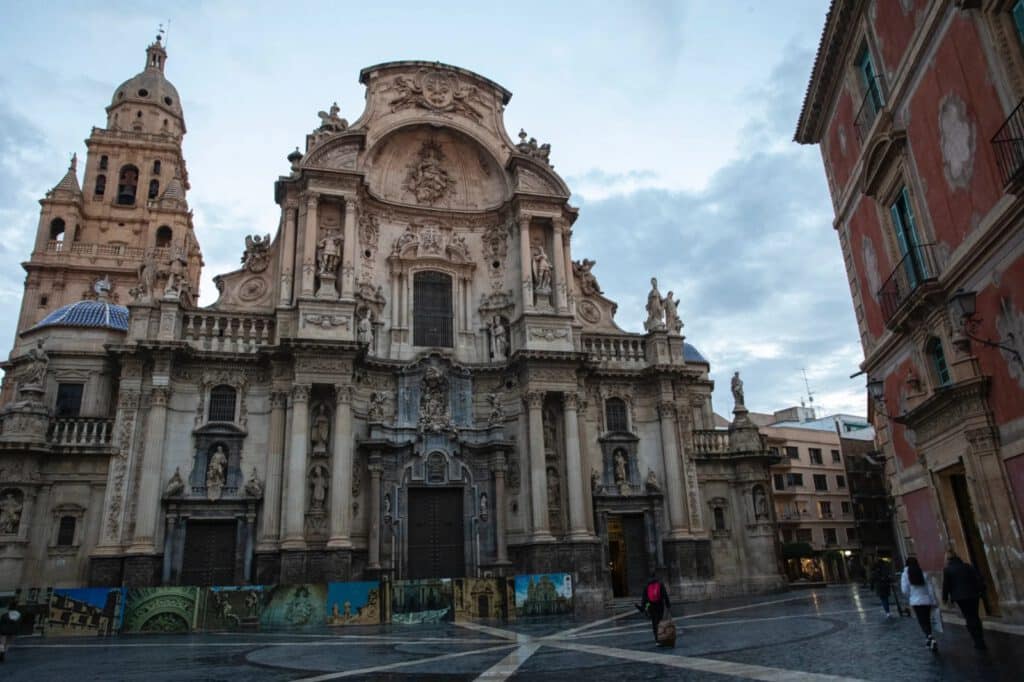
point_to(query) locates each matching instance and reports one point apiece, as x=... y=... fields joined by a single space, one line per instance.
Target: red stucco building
x=917 y=109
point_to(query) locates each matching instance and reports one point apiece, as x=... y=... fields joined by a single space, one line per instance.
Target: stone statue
x=328 y=253
x=331 y=121
x=655 y=311
x=588 y=283
x=318 y=485
x=254 y=486
x=620 y=467
x=256 y=257
x=375 y=413
x=760 y=504
x=737 y=389
x=147 y=272
x=672 y=321
x=216 y=473
x=387 y=505
x=364 y=329
x=175 y=486
x=321 y=430
x=483 y=506
x=10 y=512
x=434 y=401
x=175 y=276
x=651 y=483
x=499 y=339
x=497 y=414
x=35 y=375
x=541 y=269
x=595 y=480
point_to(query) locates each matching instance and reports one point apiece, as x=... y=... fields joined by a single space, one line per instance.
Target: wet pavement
x=825 y=634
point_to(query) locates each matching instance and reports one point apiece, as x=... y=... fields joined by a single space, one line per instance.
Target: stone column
x=373 y=540
x=309 y=244
x=396 y=283
x=271 y=530
x=558 y=265
x=341 y=472
x=295 y=496
x=526 y=270
x=538 y=469
x=574 y=470
x=348 y=260
x=291 y=226
x=570 y=281
x=152 y=465
x=673 y=479
x=498 y=471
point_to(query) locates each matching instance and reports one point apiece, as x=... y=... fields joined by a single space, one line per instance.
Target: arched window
x=938 y=360
x=154 y=188
x=156 y=167
x=163 y=236
x=432 y=309
x=615 y=414
x=103 y=162
x=57 y=230
x=222 y=404
x=101 y=185
x=66 y=531
x=127 y=183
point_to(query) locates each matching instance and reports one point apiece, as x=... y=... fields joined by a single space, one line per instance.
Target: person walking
x=921 y=598
x=8 y=628
x=655 y=603
x=881 y=581
x=963 y=584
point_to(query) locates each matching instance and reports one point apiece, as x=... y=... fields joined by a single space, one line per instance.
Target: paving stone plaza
x=832 y=634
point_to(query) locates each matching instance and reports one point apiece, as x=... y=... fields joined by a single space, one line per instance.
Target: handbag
x=666 y=631
x=936 y=616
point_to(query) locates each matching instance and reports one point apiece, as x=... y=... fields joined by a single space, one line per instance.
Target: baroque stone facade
x=412 y=377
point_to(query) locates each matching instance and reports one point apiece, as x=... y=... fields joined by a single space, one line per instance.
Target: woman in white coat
x=921 y=597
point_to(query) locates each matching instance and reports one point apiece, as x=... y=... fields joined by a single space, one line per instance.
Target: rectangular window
x=840 y=482
x=870 y=82
x=787 y=535
x=616 y=415
x=66 y=531
x=794 y=479
x=775 y=450
x=826 y=509
x=820 y=482
x=432 y=309
x=69 y=400
x=792 y=452
x=906 y=237
x=1018 y=19
x=845 y=507
x=815 y=454
x=851 y=535
x=836 y=459
x=779 y=481
x=804 y=535
x=830 y=537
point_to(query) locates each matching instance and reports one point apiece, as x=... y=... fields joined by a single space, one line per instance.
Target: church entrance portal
x=209 y=557
x=435 y=533
x=626 y=554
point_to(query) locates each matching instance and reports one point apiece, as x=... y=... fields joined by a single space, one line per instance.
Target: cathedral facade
x=410 y=378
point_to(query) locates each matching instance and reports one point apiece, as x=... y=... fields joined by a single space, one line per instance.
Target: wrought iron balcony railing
x=918 y=266
x=1008 y=144
x=874 y=100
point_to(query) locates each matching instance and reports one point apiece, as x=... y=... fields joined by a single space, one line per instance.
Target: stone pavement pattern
x=833 y=634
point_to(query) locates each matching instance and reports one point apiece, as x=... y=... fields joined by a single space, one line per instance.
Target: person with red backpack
x=655 y=603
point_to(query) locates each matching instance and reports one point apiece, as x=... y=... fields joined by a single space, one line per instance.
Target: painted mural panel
x=422 y=601
x=477 y=598
x=546 y=594
x=96 y=611
x=162 y=609
x=294 y=607
x=233 y=608
x=34 y=605
x=353 y=603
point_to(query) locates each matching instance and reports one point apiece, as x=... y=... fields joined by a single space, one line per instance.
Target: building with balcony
x=409 y=376
x=916 y=109
x=813 y=507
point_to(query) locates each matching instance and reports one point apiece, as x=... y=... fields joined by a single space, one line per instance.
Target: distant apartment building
x=818 y=530
x=872 y=503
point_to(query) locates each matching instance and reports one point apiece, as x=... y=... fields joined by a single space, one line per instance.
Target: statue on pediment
x=330 y=121
x=655 y=309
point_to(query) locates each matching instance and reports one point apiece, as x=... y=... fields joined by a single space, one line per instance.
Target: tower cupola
x=147 y=102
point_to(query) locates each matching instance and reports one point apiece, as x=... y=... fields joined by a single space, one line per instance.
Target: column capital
x=666 y=409
x=558 y=223
x=524 y=220
x=342 y=394
x=351 y=203
x=159 y=396
x=312 y=198
x=571 y=400
x=498 y=464
x=534 y=399
x=300 y=393
x=278 y=400
x=375 y=469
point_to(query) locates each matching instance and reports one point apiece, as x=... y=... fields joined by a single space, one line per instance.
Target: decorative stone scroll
x=436 y=90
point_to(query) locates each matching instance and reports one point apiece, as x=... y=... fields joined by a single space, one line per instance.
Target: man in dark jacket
x=963 y=584
x=881 y=582
x=655 y=602
x=8 y=628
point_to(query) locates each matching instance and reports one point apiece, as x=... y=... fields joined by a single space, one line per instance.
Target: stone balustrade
x=710 y=442
x=80 y=432
x=227 y=332
x=61 y=250
x=614 y=348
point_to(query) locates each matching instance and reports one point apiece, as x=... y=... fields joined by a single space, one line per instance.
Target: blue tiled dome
x=691 y=354
x=95 y=314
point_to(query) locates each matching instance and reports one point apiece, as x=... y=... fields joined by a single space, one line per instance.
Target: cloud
x=752 y=258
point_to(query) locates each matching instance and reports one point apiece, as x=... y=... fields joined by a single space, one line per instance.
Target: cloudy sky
x=671 y=121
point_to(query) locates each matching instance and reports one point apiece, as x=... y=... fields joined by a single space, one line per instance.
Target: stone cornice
x=948 y=408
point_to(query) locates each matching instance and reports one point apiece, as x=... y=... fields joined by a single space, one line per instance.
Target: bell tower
x=130 y=209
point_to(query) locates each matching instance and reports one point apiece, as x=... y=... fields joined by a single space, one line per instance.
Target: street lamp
x=876 y=389
x=962 y=306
